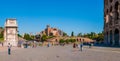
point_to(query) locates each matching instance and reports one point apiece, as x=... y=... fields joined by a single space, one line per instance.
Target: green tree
x=61 y=41
x=67 y=41
x=100 y=37
x=72 y=34
x=65 y=34
x=37 y=37
x=19 y=35
x=1 y=27
x=32 y=37
x=2 y=36
x=79 y=35
x=44 y=38
x=72 y=40
x=1 y=39
x=95 y=36
x=27 y=37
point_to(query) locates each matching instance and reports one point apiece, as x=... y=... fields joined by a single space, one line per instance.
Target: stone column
x=119 y=9
x=108 y=37
x=113 y=41
x=119 y=35
x=114 y=15
x=119 y=22
x=105 y=37
x=108 y=30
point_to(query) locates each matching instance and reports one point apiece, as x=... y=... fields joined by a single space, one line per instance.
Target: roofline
x=11 y=26
x=11 y=19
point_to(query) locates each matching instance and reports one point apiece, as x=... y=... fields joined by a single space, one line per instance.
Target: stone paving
x=3 y=49
x=60 y=53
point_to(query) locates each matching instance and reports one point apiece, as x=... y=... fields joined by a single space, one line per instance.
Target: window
x=111 y=9
x=111 y=1
x=116 y=5
x=116 y=9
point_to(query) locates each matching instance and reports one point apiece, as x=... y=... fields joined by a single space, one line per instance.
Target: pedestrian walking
x=81 y=46
x=74 y=45
x=90 y=45
x=48 y=45
x=2 y=44
x=9 y=49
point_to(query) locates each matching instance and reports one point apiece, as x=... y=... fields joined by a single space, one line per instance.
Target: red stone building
x=49 y=31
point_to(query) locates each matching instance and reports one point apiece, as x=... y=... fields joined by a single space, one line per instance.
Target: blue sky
x=68 y=15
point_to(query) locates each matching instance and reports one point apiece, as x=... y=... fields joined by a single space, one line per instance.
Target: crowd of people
x=80 y=45
x=34 y=45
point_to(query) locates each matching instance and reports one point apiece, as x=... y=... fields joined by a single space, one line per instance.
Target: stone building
x=52 y=31
x=10 y=32
x=112 y=22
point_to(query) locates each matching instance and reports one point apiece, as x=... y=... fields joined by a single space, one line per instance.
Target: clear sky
x=68 y=15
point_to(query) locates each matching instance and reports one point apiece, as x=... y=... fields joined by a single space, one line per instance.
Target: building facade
x=10 y=32
x=49 y=31
x=112 y=22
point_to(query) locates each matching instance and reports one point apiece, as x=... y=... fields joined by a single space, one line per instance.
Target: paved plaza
x=60 y=53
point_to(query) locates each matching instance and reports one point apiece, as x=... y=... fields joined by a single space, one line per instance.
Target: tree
x=92 y=33
x=95 y=36
x=100 y=37
x=72 y=40
x=32 y=36
x=65 y=34
x=27 y=37
x=37 y=37
x=19 y=35
x=79 y=35
x=1 y=28
x=1 y=39
x=61 y=41
x=44 y=38
x=72 y=34
x=1 y=34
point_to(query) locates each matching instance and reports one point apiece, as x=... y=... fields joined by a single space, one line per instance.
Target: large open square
x=60 y=53
x=60 y=30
